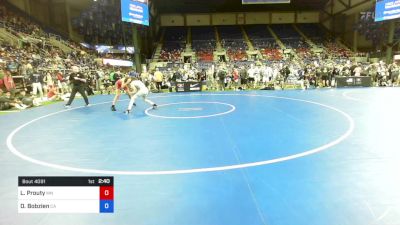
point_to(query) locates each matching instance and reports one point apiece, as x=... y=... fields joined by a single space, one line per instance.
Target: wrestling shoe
x=154 y=106
x=113 y=108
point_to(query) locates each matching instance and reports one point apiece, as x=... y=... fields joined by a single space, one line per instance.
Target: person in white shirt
x=251 y=73
x=48 y=81
x=185 y=75
x=257 y=76
x=99 y=77
x=357 y=71
x=395 y=74
x=210 y=78
x=138 y=89
x=275 y=73
x=270 y=73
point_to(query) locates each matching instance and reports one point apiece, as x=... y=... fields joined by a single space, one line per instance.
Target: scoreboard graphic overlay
x=65 y=194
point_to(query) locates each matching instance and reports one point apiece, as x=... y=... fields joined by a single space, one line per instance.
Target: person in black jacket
x=221 y=78
x=285 y=72
x=36 y=80
x=78 y=82
x=4 y=101
x=176 y=76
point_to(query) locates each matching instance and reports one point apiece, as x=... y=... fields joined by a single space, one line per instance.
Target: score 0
x=106 y=199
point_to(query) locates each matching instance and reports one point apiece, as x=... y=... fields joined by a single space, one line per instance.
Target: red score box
x=106 y=193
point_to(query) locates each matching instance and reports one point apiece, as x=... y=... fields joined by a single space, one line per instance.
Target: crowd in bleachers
x=33 y=73
x=174 y=44
x=28 y=29
x=316 y=66
x=31 y=76
x=203 y=43
x=101 y=24
x=263 y=41
x=18 y=23
x=172 y=53
x=314 y=32
x=272 y=54
x=289 y=36
x=41 y=74
x=233 y=42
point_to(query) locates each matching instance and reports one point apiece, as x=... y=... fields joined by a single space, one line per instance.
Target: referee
x=78 y=82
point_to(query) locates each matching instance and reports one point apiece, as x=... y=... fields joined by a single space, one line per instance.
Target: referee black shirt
x=76 y=82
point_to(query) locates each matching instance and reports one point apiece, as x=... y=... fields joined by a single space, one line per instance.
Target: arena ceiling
x=207 y=6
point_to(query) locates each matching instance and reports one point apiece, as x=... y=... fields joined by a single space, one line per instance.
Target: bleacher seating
x=336 y=51
x=319 y=37
x=204 y=65
x=34 y=51
x=29 y=30
x=203 y=43
x=260 y=37
x=272 y=54
x=263 y=40
x=101 y=23
x=174 y=43
x=289 y=36
x=314 y=32
x=232 y=40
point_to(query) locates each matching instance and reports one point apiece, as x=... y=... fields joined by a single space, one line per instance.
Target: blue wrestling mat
x=318 y=157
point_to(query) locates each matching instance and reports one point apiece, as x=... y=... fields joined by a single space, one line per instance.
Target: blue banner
x=387 y=10
x=135 y=11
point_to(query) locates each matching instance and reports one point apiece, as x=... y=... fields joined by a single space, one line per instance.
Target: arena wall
x=257 y=18
x=40 y=11
x=239 y=18
x=223 y=19
x=307 y=17
x=198 y=20
x=281 y=18
x=172 y=20
x=20 y=4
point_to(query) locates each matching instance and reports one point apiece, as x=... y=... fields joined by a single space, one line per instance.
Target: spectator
x=2 y=75
x=158 y=79
x=13 y=67
x=52 y=94
x=26 y=100
x=7 y=102
x=9 y=82
x=221 y=79
x=37 y=80
x=48 y=81
x=61 y=83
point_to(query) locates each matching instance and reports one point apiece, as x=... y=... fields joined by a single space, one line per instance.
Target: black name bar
x=65 y=181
